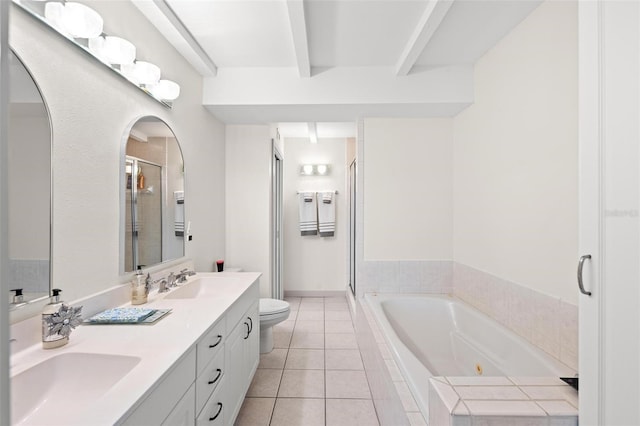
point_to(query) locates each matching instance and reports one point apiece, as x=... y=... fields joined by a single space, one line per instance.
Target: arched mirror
x=153 y=186
x=29 y=187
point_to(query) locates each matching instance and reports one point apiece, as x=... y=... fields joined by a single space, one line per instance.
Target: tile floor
x=314 y=375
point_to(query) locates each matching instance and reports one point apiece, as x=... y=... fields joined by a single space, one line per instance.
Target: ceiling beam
x=163 y=17
x=299 y=32
x=427 y=26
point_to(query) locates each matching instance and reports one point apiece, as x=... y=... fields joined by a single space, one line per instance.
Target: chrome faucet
x=171 y=280
x=162 y=287
x=183 y=274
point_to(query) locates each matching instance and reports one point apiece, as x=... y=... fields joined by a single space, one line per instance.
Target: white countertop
x=159 y=346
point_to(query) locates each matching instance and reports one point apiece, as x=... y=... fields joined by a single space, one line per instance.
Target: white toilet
x=272 y=312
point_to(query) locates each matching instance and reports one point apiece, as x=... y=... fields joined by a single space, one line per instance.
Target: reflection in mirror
x=29 y=187
x=153 y=183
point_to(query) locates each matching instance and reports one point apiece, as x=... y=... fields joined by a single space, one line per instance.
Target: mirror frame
x=17 y=313
x=122 y=208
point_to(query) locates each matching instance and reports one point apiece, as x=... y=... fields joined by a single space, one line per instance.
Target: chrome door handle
x=580 y=266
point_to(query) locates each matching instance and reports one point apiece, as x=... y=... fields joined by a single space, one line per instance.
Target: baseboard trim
x=314 y=293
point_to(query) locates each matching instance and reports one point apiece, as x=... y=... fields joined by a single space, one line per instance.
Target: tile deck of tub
x=531 y=401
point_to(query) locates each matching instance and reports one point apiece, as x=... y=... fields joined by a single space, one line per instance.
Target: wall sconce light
x=314 y=169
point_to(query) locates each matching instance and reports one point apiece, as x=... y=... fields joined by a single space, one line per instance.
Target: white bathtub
x=431 y=335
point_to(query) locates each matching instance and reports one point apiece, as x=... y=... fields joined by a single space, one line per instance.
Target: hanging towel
x=327 y=197
x=179 y=213
x=308 y=213
x=326 y=215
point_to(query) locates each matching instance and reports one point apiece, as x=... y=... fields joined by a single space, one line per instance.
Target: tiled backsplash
x=547 y=322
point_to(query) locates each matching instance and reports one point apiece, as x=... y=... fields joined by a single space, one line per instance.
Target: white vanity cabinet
x=207 y=387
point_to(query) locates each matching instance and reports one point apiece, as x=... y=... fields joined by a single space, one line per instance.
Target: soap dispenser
x=50 y=338
x=18 y=297
x=139 y=289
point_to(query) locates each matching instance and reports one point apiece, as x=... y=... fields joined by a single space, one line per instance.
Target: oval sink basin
x=203 y=287
x=50 y=392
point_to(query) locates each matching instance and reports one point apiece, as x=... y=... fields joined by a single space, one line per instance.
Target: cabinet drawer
x=209 y=379
x=209 y=346
x=213 y=413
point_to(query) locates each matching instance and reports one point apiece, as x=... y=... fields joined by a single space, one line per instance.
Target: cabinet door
x=235 y=366
x=183 y=414
x=252 y=346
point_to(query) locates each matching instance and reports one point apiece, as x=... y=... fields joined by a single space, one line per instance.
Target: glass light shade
x=81 y=21
x=141 y=73
x=118 y=51
x=322 y=169
x=96 y=46
x=307 y=169
x=166 y=90
x=53 y=13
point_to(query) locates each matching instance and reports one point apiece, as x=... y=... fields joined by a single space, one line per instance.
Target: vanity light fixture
x=77 y=21
x=314 y=169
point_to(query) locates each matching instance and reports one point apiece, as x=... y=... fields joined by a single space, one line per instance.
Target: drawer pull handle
x=248 y=331
x=218 y=413
x=216 y=343
x=251 y=322
x=217 y=377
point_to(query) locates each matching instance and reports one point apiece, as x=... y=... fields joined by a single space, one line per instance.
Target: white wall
x=515 y=157
x=91 y=108
x=314 y=263
x=248 y=201
x=408 y=189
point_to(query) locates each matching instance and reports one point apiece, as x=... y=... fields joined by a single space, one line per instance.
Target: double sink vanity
x=192 y=367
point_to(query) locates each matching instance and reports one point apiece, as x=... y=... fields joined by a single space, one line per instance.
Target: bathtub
x=434 y=335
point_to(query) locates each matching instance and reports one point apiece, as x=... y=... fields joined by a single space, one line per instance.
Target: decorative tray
x=127 y=316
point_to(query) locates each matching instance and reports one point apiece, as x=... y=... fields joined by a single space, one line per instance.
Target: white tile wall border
x=405 y=276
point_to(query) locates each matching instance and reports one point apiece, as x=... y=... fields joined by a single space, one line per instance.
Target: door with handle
x=609 y=229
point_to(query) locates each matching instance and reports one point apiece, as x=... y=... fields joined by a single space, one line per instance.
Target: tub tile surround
x=535 y=401
x=405 y=276
x=549 y=323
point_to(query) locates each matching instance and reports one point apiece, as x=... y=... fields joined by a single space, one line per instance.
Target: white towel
x=308 y=214
x=326 y=215
x=178 y=219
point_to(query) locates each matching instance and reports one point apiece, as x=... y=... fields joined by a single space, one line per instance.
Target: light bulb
x=119 y=51
x=141 y=73
x=81 y=21
x=166 y=90
x=322 y=169
x=307 y=169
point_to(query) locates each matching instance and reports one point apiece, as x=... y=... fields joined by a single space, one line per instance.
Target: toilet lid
x=273 y=306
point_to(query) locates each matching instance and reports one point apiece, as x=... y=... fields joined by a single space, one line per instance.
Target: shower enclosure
x=143 y=223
